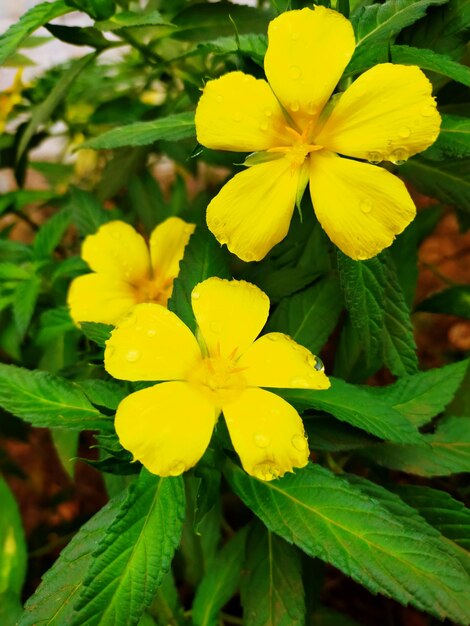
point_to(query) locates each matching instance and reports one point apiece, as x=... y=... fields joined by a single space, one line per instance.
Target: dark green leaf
x=88 y=214
x=80 y=36
x=452 y=301
x=272 y=592
x=333 y=520
x=106 y=393
x=325 y=433
x=96 y=332
x=453 y=140
x=50 y=234
x=24 y=303
x=432 y=61
x=66 y=445
x=146 y=198
x=328 y=617
x=172 y=128
x=97 y=9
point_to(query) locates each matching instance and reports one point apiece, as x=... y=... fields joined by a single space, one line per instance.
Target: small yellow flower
x=125 y=271
x=168 y=426
x=10 y=98
x=387 y=114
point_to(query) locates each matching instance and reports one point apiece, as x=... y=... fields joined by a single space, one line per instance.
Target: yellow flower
x=387 y=114
x=10 y=98
x=125 y=271
x=168 y=426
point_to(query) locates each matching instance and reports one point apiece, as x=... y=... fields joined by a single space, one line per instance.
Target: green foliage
x=433 y=62
x=452 y=301
x=453 y=140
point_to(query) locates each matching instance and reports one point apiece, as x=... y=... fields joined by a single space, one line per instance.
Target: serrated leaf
x=96 y=332
x=331 y=519
x=78 y=36
x=50 y=234
x=97 y=9
x=356 y=406
x=453 y=140
x=46 y=400
x=24 y=303
x=133 y=555
x=54 y=322
x=431 y=61
x=53 y=601
x=376 y=25
x=27 y=24
x=171 y=128
x=220 y=582
x=272 y=592
x=309 y=316
x=106 y=393
x=88 y=214
x=448 y=181
x=452 y=301
x=203 y=258
x=446 y=452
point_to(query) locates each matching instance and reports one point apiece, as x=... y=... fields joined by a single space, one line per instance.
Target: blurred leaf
x=327 y=434
x=50 y=234
x=66 y=445
x=451 y=301
x=272 y=592
x=134 y=554
x=24 y=303
x=12 y=272
x=18 y=199
x=172 y=128
x=431 y=61
x=309 y=316
x=13 y=551
x=96 y=332
x=358 y=407
x=46 y=400
x=77 y=36
x=328 y=617
x=331 y=519
x=88 y=214
x=14 y=251
x=28 y=23
x=249 y=45
x=446 y=452
x=166 y=607
x=97 y=9
x=220 y=582
x=453 y=140
x=132 y=19
x=146 y=198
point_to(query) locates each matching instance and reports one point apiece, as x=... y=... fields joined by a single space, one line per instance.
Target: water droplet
x=238 y=116
x=215 y=327
x=262 y=441
x=399 y=156
x=375 y=157
x=266 y=471
x=404 y=132
x=299 y=442
x=268 y=112
x=151 y=332
x=365 y=206
x=312 y=108
x=428 y=110
x=176 y=469
x=319 y=365
x=264 y=126
x=219 y=99
x=132 y=356
x=295 y=36
x=195 y=295
x=294 y=106
x=299 y=382
x=295 y=72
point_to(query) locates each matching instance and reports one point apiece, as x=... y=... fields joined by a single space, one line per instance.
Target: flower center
x=220 y=379
x=300 y=146
x=153 y=290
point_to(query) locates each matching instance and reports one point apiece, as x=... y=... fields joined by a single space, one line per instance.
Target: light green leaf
x=331 y=519
x=433 y=62
x=133 y=555
x=358 y=407
x=272 y=592
x=28 y=23
x=131 y=19
x=50 y=233
x=447 y=451
x=46 y=400
x=310 y=315
x=172 y=128
x=220 y=582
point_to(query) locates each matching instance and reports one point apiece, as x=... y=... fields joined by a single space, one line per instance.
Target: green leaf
x=46 y=400
x=220 y=582
x=452 y=301
x=448 y=181
x=22 y=197
x=131 y=19
x=331 y=519
x=77 y=36
x=43 y=111
x=105 y=393
x=97 y=9
x=358 y=407
x=53 y=601
x=146 y=198
x=449 y=516
x=272 y=592
x=171 y=128
x=27 y=24
x=376 y=25
x=13 y=551
x=453 y=140
x=14 y=272
x=96 y=332
x=325 y=433
x=447 y=451
x=249 y=45
x=203 y=258
x=309 y=316
x=431 y=61
x=328 y=617
x=87 y=212
x=24 y=303
x=133 y=555
x=53 y=323
x=424 y=395
x=66 y=446
x=51 y=233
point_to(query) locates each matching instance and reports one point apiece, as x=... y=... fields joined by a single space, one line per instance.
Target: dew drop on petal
x=319 y=365
x=365 y=207
x=151 y=332
x=404 y=132
x=294 y=106
x=299 y=442
x=375 y=157
x=195 y=295
x=262 y=441
x=132 y=356
x=266 y=470
x=176 y=469
x=295 y=72
x=398 y=156
x=264 y=126
x=312 y=108
x=268 y=112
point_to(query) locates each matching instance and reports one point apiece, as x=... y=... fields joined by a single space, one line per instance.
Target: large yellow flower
x=168 y=426
x=125 y=271
x=387 y=114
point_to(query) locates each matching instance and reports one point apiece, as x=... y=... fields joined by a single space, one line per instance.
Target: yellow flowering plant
x=165 y=420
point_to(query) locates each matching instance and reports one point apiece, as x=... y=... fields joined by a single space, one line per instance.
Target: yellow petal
x=117 y=250
x=252 y=212
x=388 y=113
x=307 y=53
x=240 y=113
x=166 y=427
x=167 y=244
x=99 y=298
x=267 y=434
x=276 y=360
x=152 y=343
x=360 y=206
x=230 y=315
